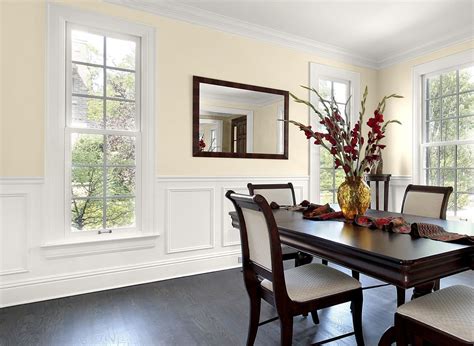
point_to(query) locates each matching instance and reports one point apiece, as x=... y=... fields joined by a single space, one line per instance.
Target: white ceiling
x=373 y=33
x=239 y=96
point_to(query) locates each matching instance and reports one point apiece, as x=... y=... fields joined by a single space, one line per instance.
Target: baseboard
x=52 y=287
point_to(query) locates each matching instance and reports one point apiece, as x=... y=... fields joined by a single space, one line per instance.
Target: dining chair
x=428 y=201
x=293 y=291
x=444 y=317
x=283 y=195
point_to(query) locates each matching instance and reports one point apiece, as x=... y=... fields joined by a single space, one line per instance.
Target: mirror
x=239 y=120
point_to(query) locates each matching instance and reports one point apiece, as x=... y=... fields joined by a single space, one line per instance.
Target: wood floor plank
x=207 y=309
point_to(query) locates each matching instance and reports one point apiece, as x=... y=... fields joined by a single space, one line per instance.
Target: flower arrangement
x=344 y=143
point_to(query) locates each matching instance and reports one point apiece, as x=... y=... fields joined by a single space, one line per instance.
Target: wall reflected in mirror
x=238 y=120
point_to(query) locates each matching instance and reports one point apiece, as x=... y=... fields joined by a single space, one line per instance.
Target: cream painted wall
x=398 y=79
x=183 y=50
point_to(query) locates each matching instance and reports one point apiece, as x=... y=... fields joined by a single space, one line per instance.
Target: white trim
x=57 y=286
x=417 y=115
x=21 y=180
x=190 y=14
x=280 y=130
x=189 y=178
x=212 y=20
x=318 y=71
x=55 y=186
x=219 y=128
x=237 y=111
x=425 y=49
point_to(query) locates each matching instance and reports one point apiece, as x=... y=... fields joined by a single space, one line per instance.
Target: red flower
x=346 y=168
x=333 y=150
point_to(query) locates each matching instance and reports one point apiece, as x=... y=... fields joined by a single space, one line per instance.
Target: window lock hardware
x=104 y=231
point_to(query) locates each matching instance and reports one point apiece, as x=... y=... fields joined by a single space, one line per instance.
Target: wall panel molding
x=187 y=216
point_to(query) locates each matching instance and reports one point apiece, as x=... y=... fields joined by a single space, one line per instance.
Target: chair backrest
x=283 y=194
x=260 y=240
x=428 y=201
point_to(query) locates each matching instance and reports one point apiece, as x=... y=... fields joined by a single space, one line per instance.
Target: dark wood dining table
x=394 y=258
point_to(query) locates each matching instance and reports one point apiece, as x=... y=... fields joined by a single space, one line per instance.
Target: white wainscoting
x=193 y=235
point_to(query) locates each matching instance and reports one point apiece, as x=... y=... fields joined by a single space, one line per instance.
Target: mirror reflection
x=240 y=121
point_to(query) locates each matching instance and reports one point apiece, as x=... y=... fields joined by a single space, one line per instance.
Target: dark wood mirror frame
x=197 y=81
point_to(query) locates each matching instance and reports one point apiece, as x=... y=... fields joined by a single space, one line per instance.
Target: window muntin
x=330 y=178
x=102 y=130
x=448 y=135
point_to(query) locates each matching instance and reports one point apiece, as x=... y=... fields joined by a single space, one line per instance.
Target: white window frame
x=56 y=222
x=317 y=72
x=419 y=72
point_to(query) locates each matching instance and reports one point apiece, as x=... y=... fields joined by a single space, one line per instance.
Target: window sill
x=98 y=246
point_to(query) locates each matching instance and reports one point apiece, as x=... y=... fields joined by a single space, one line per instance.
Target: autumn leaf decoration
x=344 y=143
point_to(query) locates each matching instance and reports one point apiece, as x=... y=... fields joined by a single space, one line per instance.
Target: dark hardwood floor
x=208 y=309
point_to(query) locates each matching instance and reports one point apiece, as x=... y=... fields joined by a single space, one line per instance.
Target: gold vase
x=353 y=197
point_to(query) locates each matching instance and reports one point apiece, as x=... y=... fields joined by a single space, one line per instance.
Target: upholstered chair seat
x=450 y=310
x=314 y=281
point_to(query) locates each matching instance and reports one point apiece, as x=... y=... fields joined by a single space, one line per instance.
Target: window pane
x=86 y=214
x=121 y=150
x=340 y=177
x=466 y=79
x=120 y=212
x=450 y=106
x=340 y=92
x=447 y=156
x=87 y=181
x=466 y=104
x=447 y=177
x=121 y=115
x=326 y=197
x=121 y=84
x=448 y=83
x=465 y=206
x=87 y=112
x=342 y=110
x=87 y=80
x=434 y=131
x=326 y=159
x=434 y=109
x=432 y=87
x=325 y=179
x=432 y=156
x=432 y=177
x=466 y=128
x=121 y=53
x=325 y=89
x=466 y=180
x=449 y=129
x=120 y=181
x=465 y=156
x=87 y=149
x=87 y=47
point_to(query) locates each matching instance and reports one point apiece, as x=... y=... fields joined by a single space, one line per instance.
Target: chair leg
x=325 y=262
x=400 y=331
x=286 y=328
x=437 y=285
x=254 y=317
x=314 y=315
x=356 y=306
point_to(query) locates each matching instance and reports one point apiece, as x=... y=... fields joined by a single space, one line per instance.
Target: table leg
x=400 y=296
x=388 y=338
x=385 y=196
x=422 y=290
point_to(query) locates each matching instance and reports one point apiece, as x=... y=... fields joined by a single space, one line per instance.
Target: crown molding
x=193 y=15
x=430 y=47
x=212 y=20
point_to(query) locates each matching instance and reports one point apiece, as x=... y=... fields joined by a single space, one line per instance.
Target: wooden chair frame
x=446 y=191
x=410 y=331
x=299 y=257
x=253 y=274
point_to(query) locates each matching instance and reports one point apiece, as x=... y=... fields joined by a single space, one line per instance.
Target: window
x=100 y=158
x=331 y=178
x=448 y=135
x=102 y=129
x=338 y=84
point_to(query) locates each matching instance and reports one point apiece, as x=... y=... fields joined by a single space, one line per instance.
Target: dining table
x=394 y=258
